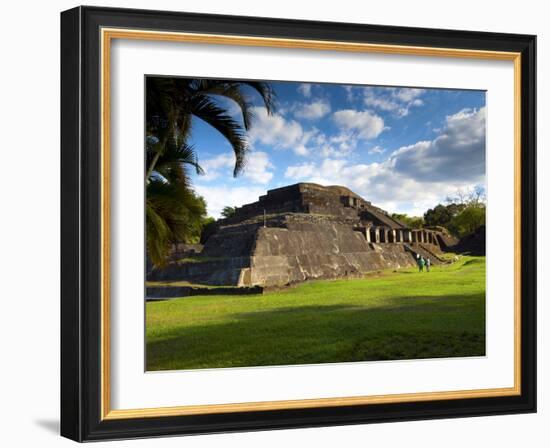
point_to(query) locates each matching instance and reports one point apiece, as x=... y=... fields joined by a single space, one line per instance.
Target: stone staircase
x=426 y=252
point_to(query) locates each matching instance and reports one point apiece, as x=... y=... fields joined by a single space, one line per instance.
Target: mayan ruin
x=303 y=232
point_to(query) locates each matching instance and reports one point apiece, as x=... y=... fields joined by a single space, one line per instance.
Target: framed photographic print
x=275 y=224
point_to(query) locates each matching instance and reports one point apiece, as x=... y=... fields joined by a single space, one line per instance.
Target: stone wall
x=302 y=248
x=182 y=250
x=232 y=241
x=312 y=251
x=223 y=271
x=280 y=270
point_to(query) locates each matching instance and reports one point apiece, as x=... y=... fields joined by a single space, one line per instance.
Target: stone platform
x=302 y=232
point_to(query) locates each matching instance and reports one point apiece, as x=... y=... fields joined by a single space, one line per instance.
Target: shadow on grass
x=407 y=304
x=472 y=262
x=402 y=328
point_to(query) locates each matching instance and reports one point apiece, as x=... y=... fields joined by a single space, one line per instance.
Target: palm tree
x=173 y=102
x=173 y=211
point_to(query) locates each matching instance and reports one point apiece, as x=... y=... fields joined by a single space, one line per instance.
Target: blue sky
x=403 y=149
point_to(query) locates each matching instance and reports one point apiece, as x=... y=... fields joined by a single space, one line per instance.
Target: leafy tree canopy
x=467 y=221
x=463 y=213
x=414 y=222
x=228 y=211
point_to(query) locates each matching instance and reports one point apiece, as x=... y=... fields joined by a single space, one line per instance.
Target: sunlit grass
x=387 y=315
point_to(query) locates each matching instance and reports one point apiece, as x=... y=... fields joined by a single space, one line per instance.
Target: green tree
x=209 y=227
x=228 y=211
x=468 y=220
x=414 y=222
x=442 y=215
x=469 y=211
x=463 y=214
x=174 y=213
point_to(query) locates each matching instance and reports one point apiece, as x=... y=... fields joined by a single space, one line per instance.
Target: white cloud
x=212 y=167
x=305 y=89
x=300 y=171
x=377 y=150
x=312 y=111
x=278 y=132
x=283 y=133
x=300 y=150
x=416 y=177
x=411 y=179
x=343 y=143
x=406 y=94
x=391 y=99
x=337 y=145
x=273 y=129
x=329 y=170
x=220 y=196
x=257 y=166
x=350 y=93
x=379 y=102
x=378 y=183
x=221 y=161
x=365 y=124
x=458 y=153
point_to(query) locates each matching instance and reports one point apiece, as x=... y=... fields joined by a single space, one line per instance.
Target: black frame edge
x=529 y=222
x=80 y=193
x=71 y=384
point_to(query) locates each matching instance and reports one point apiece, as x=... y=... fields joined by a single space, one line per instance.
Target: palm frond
x=233 y=90
x=173 y=161
x=207 y=110
x=158 y=234
x=267 y=93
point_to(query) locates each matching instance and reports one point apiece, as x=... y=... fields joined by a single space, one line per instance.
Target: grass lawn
x=389 y=315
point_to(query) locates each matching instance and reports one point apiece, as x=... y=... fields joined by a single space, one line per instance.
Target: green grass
x=385 y=316
x=450 y=256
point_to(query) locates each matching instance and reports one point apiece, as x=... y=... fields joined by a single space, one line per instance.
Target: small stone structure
x=306 y=231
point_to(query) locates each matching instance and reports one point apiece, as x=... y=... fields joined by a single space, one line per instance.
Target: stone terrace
x=306 y=231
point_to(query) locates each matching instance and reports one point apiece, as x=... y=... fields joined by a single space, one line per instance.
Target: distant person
x=428 y=264
x=420 y=261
